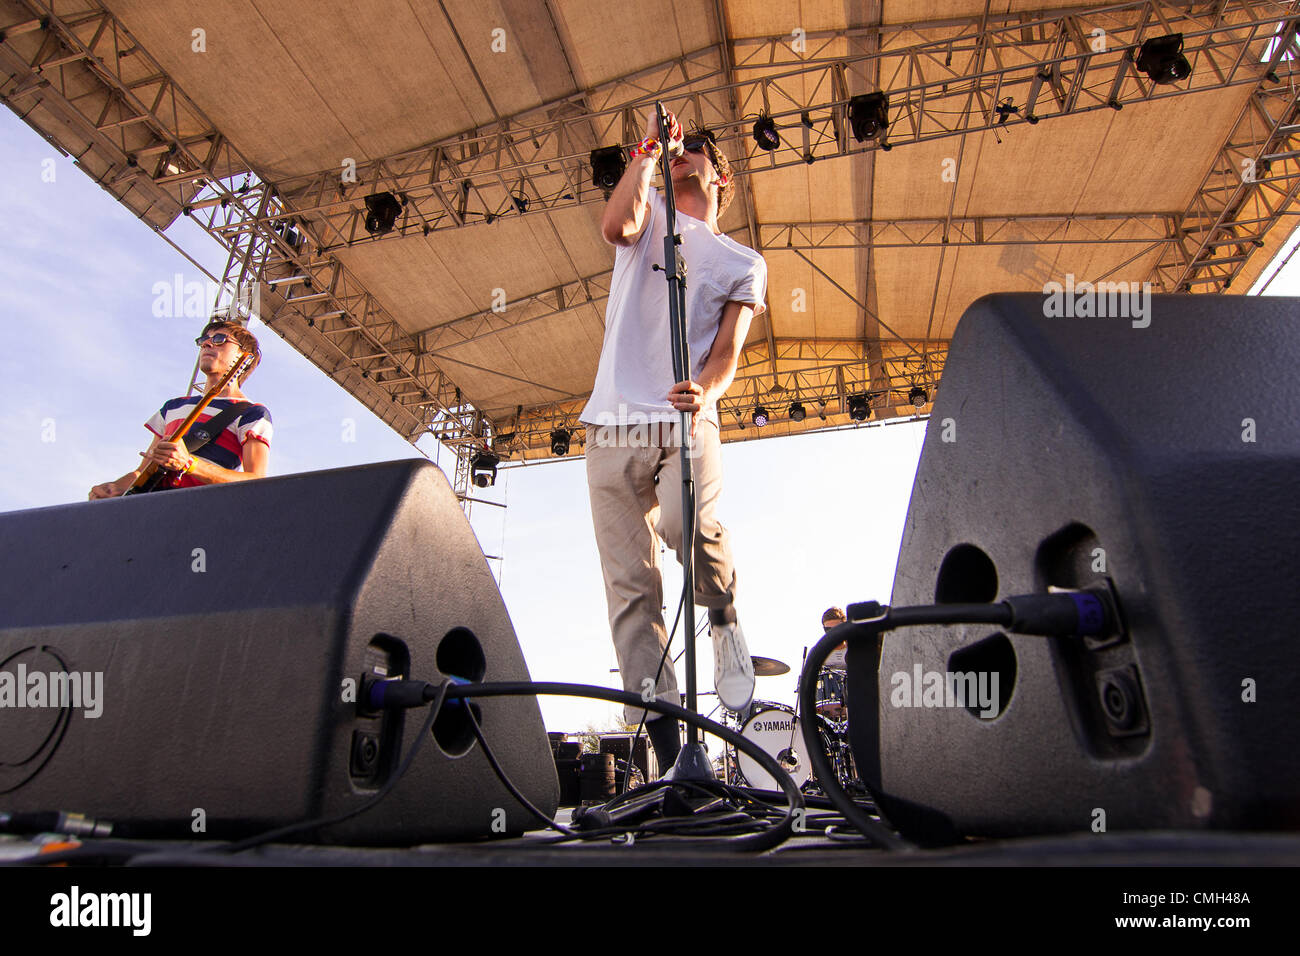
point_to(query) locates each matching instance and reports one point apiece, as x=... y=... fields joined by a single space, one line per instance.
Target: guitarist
x=244 y=441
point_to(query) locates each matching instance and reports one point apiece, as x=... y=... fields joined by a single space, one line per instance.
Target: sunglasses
x=697 y=144
x=216 y=338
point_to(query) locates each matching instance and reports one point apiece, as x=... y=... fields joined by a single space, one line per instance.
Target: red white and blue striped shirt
x=227 y=449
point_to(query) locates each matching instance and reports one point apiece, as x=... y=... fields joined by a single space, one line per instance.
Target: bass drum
x=777 y=731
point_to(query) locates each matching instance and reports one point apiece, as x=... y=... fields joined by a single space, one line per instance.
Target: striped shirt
x=227 y=449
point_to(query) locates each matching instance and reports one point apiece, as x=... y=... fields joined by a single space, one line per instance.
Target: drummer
x=834 y=617
x=831 y=692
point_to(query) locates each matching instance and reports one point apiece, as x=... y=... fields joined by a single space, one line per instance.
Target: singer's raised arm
x=626 y=212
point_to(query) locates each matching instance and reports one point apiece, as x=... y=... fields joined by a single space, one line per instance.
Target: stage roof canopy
x=1026 y=142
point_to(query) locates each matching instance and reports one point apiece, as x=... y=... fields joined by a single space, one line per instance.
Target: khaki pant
x=636 y=493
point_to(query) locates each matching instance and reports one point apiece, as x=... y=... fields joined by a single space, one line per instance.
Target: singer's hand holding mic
x=649 y=146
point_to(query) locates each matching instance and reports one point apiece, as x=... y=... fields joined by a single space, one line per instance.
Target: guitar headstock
x=243 y=364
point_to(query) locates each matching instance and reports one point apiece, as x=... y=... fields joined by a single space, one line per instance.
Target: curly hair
x=722 y=166
x=243 y=338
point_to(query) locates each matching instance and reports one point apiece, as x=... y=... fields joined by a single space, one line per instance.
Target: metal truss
x=87 y=85
x=83 y=81
x=946 y=78
x=549 y=303
x=1253 y=183
x=1065 y=230
x=525 y=164
x=1141 y=228
x=820 y=373
x=80 y=80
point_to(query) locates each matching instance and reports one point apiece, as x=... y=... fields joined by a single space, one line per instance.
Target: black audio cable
x=407 y=691
x=1088 y=612
x=437 y=696
x=506 y=781
x=53 y=821
x=405 y=694
x=89 y=853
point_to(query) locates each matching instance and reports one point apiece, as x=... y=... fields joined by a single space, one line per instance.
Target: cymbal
x=766 y=667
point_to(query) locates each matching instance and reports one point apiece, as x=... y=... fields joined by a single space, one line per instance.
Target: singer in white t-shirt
x=634 y=413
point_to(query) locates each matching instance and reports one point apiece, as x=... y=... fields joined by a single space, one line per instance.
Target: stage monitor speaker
x=1156 y=455
x=188 y=663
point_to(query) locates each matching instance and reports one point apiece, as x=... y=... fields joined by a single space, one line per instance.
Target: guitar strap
x=203 y=432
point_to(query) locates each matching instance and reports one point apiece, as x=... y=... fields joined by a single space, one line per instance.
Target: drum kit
x=778 y=730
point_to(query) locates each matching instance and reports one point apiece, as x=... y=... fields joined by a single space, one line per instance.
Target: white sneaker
x=733 y=669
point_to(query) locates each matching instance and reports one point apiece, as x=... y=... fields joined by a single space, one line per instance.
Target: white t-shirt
x=636 y=360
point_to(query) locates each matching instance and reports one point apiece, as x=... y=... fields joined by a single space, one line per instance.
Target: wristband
x=647 y=147
x=189 y=467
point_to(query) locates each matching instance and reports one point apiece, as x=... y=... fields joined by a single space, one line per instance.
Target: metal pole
x=693 y=761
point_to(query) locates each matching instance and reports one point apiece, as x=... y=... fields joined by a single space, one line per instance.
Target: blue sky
x=815 y=519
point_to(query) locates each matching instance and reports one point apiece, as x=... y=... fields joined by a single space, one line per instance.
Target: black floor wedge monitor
x=1158 y=454
x=202 y=653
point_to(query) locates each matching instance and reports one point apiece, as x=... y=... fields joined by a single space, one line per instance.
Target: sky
x=815 y=520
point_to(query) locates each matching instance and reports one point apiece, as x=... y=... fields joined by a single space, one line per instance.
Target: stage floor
x=812 y=848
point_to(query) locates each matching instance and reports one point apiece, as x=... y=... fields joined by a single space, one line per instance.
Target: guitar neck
x=149 y=471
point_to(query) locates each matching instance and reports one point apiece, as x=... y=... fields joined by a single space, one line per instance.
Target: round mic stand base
x=692 y=764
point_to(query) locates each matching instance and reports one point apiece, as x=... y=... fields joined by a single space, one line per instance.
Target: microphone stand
x=693 y=760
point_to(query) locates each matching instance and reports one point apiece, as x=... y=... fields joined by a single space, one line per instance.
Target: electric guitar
x=155 y=478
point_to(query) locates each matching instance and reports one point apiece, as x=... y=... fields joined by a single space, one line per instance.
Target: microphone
x=672 y=144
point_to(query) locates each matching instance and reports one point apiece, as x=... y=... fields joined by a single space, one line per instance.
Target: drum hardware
x=776 y=728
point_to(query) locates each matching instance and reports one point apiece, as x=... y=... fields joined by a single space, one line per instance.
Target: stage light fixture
x=483 y=469
x=607 y=165
x=918 y=396
x=869 y=116
x=760 y=416
x=560 y=442
x=1161 y=59
x=859 y=408
x=382 y=210
x=797 y=412
x=765 y=134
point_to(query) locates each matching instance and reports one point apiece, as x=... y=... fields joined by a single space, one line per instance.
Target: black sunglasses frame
x=225 y=337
